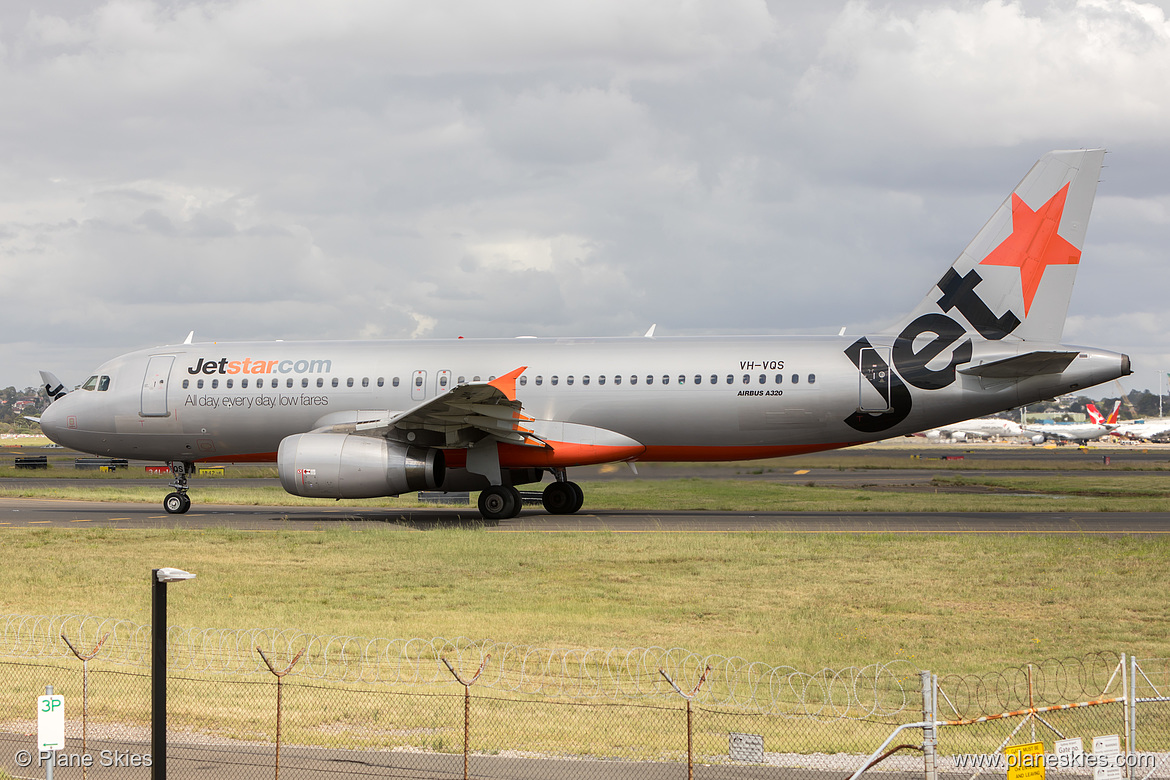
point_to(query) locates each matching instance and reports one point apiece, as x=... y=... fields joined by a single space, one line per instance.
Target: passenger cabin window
x=442 y=380
x=730 y=379
x=199 y=384
x=633 y=379
x=365 y=381
x=418 y=381
x=570 y=379
x=214 y=384
x=649 y=379
x=523 y=380
x=812 y=378
x=746 y=378
x=601 y=379
x=381 y=381
x=349 y=382
x=259 y=383
x=585 y=379
x=795 y=378
x=698 y=379
x=186 y=383
x=394 y=381
x=288 y=382
x=714 y=379
x=462 y=379
x=763 y=378
x=665 y=379
x=617 y=379
x=554 y=379
x=304 y=382
x=539 y=380
x=320 y=381
x=230 y=383
x=335 y=381
x=244 y=384
x=779 y=379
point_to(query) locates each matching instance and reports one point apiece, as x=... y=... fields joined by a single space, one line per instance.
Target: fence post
x=466 y=703
x=279 y=678
x=929 y=730
x=85 y=691
x=688 y=696
x=1131 y=721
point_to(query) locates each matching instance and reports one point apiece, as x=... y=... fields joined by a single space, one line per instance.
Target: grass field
x=951 y=604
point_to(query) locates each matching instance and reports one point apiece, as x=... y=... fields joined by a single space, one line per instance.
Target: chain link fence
x=430 y=708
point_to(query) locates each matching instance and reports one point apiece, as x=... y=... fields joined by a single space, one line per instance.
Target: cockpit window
x=103 y=384
x=90 y=383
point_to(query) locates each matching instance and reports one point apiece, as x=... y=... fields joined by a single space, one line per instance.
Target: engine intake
x=332 y=465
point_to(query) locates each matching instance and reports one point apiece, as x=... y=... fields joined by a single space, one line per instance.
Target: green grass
x=951 y=604
x=1112 y=493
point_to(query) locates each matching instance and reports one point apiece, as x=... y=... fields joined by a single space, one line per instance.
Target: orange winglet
x=507 y=383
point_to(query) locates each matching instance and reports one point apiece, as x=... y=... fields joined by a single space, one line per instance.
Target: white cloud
x=992 y=73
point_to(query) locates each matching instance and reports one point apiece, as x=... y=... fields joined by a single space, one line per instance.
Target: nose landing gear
x=178 y=503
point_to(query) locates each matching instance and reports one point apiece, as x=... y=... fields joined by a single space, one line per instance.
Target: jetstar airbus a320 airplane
x=363 y=419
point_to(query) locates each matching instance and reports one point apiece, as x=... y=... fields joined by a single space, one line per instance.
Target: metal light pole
x=158 y=666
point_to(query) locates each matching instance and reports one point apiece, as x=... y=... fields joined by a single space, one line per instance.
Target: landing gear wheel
x=563 y=498
x=176 y=503
x=518 y=502
x=499 y=502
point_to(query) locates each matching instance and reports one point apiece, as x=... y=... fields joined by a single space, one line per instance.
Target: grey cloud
x=370 y=168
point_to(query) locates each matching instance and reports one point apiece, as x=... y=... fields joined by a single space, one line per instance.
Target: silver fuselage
x=711 y=398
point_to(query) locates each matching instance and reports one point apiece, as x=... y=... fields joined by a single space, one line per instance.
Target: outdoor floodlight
x=158 y=666
x=173 y=575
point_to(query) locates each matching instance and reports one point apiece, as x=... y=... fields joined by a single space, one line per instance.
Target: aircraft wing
x=460 y=417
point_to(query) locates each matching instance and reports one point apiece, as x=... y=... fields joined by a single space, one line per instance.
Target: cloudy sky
x=260 y=169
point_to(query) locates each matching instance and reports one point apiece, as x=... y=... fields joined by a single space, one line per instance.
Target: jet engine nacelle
x=1038 y=438
x=334 y=465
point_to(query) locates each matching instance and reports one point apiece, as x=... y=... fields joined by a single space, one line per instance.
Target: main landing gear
x=178 y=503
x=501 y=502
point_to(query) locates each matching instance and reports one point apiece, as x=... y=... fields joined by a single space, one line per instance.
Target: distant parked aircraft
x=981 y=428
x=1143 y=430
x=1081 y=433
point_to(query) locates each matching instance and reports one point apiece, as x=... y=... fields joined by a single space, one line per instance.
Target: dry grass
x=952 y=604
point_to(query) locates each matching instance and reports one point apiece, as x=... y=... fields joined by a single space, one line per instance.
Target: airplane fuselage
x=674 y=399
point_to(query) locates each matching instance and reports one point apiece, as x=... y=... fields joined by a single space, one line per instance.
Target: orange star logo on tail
x=1034 y=243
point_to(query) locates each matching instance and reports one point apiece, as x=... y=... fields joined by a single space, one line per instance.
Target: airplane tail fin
x=52 y=385
x=1094 y=416
x=1016 y=276
x=1112 y=420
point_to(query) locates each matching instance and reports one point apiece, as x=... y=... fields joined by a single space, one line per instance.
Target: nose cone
x=53 y=420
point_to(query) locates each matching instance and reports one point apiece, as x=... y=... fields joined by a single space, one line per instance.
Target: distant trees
x=14 y=404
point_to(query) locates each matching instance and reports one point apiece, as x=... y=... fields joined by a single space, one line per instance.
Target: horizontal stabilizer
x=1030 y=364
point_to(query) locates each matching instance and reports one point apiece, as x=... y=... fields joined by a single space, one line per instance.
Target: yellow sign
x=1025 y=762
